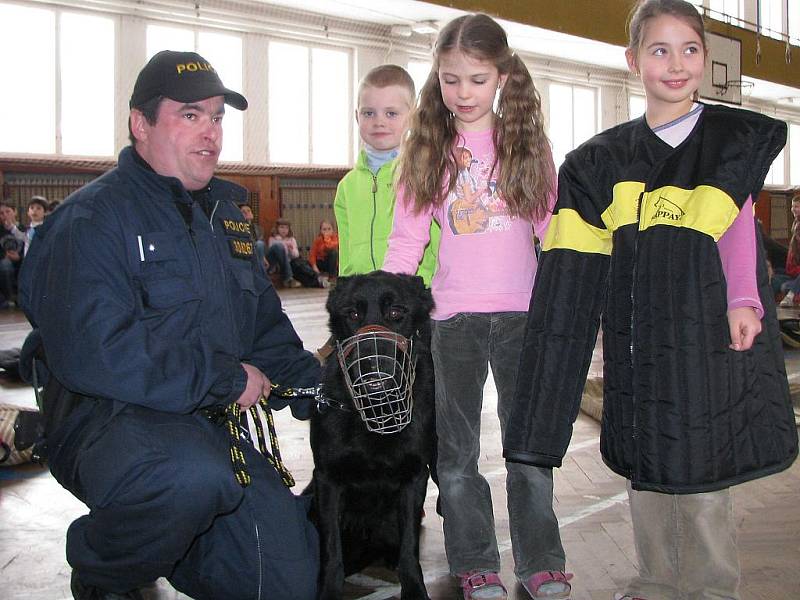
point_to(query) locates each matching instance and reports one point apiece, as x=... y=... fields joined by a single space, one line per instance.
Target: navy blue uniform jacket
x=136 y=306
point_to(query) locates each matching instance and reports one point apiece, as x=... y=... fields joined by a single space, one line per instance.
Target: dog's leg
x=327 y=498
x=412 y=584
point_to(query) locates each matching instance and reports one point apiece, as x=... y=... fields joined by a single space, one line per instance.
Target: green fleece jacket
x=364 y=209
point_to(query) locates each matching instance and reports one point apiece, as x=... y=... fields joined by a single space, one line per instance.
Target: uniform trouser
x=463 y=348
x=685 y=546
x=164 y=502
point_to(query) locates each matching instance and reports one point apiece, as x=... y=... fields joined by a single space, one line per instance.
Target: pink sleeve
x=410 y=234
x=294 y=249
x=737 y=251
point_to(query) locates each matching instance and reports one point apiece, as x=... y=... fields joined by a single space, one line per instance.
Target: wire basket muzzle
x=379 y=367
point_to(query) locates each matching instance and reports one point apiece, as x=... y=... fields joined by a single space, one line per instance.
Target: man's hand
x=12 y=255
x=258 y=385
x=744 y=325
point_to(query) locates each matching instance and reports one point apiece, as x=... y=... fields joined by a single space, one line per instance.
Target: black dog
x=369 y=487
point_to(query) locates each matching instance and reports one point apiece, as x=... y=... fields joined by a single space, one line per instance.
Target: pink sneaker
x=548 y=585
x=481 y=585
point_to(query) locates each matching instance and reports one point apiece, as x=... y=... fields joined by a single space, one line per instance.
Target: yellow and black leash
x=233 y=421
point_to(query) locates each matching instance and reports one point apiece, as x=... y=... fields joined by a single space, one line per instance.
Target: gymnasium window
x=637 y=104
x=720 y=9
x=419 y=71
x=698 y=5
x=573 y=117
x=40 y=117
x=776 y=174
x=309 y=105
x=770 y=17
x=224 y=52
x=86 y=46
x=794 y=22
x=794 y=154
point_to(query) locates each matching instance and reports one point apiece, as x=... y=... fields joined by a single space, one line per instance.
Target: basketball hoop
x=745 y=87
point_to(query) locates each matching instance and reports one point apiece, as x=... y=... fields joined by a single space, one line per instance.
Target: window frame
x=793 y=154
x=56 y=135
x=349 y=101
x=596 y=112
x=196 y=34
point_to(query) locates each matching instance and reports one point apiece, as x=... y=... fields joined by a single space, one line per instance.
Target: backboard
x=722 y=81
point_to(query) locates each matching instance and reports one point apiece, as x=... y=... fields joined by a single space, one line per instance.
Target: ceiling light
x=425 y=27
x=401 y=30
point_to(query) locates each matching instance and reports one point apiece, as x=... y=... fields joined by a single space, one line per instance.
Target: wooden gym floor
x=590 y=502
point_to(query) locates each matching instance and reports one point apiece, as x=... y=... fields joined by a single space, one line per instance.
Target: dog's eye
x=353 y=315
x=396 y=313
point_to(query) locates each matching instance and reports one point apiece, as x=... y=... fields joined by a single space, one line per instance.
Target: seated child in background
x=37 y=210
x=255 y=232
x=284 y=253
x=324 y=253
x=792 y=286
x=785 y=272
x=282 y=249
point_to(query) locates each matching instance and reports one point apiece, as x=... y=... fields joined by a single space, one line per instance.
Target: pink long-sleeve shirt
x=486 y=260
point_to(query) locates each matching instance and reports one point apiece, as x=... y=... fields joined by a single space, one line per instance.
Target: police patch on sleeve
x=240 y=248
x=239 y=237
x=233 y=227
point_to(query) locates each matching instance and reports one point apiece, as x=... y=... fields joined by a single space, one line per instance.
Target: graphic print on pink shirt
x=474 y=205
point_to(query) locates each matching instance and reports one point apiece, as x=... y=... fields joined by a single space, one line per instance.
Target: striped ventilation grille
x=18 y=188
x=306 y=202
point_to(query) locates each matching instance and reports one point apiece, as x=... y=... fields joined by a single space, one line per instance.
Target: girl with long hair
x=487 y=178
x=654 y=230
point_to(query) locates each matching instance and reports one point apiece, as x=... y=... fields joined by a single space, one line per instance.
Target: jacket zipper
x=194 y=240
x=222 y=265
x=260 y=566
x=372 y=223
x=634 y=424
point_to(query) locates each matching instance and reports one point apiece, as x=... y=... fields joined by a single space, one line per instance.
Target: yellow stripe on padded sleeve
x=705 y=209
x=623 y=208
x=568 y=231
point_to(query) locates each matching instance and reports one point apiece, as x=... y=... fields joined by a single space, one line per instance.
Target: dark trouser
x=7 y=275
x=164 y=503
x=261 y=251
x=329 y=263
x=277 y=256
x=463 y=348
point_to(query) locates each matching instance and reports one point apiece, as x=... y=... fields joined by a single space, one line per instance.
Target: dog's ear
x=425 y=300
x=417 y=282
x=343 y=284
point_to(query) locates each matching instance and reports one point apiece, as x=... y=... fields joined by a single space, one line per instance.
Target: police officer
x=155 y=314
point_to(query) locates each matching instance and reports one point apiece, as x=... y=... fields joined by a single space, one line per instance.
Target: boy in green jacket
x=365 y=197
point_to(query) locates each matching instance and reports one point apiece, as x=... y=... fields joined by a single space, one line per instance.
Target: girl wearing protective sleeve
x=654 y=229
